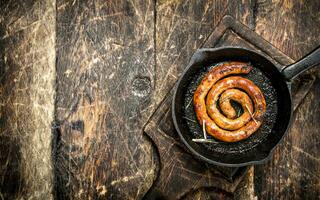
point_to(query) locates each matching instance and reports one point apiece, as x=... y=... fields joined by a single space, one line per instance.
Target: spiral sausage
x=215 y=89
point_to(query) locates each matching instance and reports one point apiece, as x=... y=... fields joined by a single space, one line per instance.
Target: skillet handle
x=292 y=71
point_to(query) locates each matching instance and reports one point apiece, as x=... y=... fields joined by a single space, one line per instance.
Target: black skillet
x=273 y=80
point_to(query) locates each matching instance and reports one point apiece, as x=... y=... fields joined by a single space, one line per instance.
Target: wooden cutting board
x=179 y=173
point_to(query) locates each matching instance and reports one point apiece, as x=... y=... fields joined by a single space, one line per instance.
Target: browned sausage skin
x=214 y=88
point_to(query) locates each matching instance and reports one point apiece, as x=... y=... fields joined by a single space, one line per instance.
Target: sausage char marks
x=220 y=86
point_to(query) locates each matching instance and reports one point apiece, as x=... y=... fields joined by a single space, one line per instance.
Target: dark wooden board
x=179 y=173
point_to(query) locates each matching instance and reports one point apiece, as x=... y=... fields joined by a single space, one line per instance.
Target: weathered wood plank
x=181 y=28
x=116 y=61
x=294 y=171
x=105 y=81
x=244 y=11
x=292 y=26
x=27 y=71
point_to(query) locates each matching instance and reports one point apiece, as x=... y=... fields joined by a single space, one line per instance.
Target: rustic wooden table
x=79 y=80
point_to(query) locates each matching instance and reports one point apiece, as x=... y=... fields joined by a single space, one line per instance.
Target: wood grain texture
x=294 y=170
x=27 y=73
x=180 y=174
x=243 y=11
x=207 y=194
x=246 y=189
x=181 y=28
x=105 y=81
x=176 y=166
x=292 y=26
x=114 y=61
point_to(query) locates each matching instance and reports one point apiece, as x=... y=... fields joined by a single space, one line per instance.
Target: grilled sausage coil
x=218 y=87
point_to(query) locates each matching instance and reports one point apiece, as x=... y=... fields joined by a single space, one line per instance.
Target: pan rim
x=196 y=153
